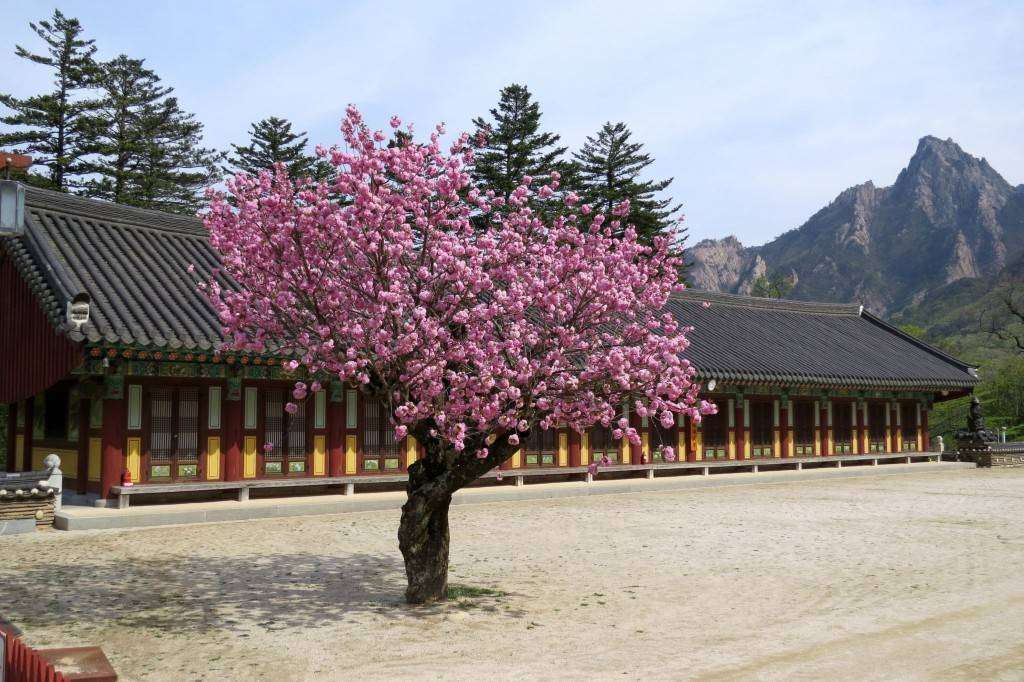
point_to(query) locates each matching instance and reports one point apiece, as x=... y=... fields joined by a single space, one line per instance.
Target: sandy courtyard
x=894 y=575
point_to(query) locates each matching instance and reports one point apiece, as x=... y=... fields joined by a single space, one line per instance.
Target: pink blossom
x=268 y=447
x=513 y=439
x=458 y=323
x=291 y=408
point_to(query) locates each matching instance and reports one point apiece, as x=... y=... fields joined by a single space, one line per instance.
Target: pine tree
x=53 y=134
x=512 y=145
x=115 y=133
x=146 y=148
x=171 y=169
x=272 y=141
x=609 y=167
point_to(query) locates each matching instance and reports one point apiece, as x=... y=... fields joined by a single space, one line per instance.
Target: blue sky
x=762 y=112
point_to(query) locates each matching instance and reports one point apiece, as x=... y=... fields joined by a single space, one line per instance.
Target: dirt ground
x=914 y=575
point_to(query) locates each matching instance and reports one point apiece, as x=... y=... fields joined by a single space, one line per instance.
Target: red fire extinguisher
x=126 y=478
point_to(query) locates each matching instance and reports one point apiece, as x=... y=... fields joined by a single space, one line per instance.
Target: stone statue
x=975 y=434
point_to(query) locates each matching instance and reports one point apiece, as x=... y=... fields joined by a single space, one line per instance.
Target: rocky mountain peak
x=949 y=216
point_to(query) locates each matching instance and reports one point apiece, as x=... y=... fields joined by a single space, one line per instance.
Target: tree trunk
x=423 y=530
x=423 y=539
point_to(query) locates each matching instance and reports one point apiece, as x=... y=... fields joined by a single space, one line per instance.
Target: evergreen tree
x=146 y=148
x=272 y=141
x=49 y=125
x=171 y=169
x=115 y=132
x=609 y=167
x=511 y=145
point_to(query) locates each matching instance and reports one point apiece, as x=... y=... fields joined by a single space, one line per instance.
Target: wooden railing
x=22 y=663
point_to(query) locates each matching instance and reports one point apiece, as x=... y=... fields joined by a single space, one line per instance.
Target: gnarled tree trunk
x=423 y=531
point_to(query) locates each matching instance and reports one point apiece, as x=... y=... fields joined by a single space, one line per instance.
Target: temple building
x=109 y=358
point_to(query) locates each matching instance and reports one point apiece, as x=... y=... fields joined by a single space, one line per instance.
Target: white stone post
x=56 y=479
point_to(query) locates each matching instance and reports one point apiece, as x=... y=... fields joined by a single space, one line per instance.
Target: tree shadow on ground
x=189 y=593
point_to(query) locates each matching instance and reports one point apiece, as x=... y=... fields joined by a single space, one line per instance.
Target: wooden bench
x=516 y=476
x=348 y=483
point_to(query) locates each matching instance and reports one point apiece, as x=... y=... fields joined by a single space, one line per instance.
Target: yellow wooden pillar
x=517 y=458
x=776 y=430
x=133 y=458
x=320 y=454
x=698 y=440
x=585 y=448
x=411 y=450
x=920 y=429
x=213 y=458
x=817 y=429
x=790 y=440
x=95 y=455
x=890 y=436
x=747 y=446
x=563 y=449
x=898 y=430
x=351 y=455
x=829 y=438
x=731 y=406
x=854 y=429
x=249 y=457
x=19 y=451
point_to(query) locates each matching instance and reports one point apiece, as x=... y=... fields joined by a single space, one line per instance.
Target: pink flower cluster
x=470 y=324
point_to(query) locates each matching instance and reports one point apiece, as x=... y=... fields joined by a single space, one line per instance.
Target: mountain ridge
x=948 y=216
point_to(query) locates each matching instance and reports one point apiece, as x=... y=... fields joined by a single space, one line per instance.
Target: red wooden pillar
x=336 y=430
x=112 y=461
x=30 y=429
x=11 y=436
x=926 y=439
x=575 y=445
x=231 y=431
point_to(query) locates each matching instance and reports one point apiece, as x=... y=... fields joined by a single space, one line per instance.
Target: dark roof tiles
x=133 y=264
x=757 y=340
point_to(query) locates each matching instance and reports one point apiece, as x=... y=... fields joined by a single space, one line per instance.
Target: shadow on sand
x=186 y=593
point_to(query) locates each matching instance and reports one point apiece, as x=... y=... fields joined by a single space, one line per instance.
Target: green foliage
x=271 y=141
x=110 y=130
x=775 y=286
x=1001 y=393
x=511 y=145
x=609 y=167
x=469 y=592
x=914 y=330
x=146 y=148
x=49 y=126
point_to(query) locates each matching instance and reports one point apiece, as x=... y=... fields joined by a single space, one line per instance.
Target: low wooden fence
x=22 y=663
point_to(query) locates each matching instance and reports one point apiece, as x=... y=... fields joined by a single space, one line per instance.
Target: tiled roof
x=133 y=264
x=743 y=339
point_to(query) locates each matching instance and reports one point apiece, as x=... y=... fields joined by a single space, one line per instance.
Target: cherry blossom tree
x=473 y=326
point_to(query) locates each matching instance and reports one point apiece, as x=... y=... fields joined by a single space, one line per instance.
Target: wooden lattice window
x=381 y=451
x=803 y=428
x=715 y=435
x=284 y=434
x=762 y=429
x=908 y=424
x=540 y=448
x=174 y=433
x=842 y=428
x=603 y=444
x=876 y=427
